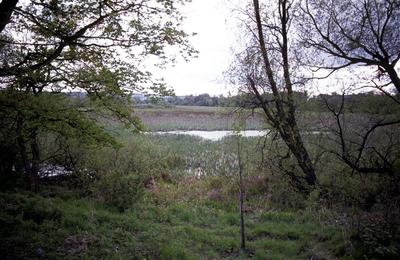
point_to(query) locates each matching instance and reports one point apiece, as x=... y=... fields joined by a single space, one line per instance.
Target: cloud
x=213 y=41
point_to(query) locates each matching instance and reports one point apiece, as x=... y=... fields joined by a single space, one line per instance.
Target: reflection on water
x=50 y=170
x=218 y=135
x=215 y=135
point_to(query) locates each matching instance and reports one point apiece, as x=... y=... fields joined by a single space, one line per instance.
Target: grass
x=46 y=225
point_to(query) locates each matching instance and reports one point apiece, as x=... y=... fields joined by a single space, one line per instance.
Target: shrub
x=118 y=189
x=378 y=237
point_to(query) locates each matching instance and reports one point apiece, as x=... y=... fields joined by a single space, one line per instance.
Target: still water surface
x=214 y=135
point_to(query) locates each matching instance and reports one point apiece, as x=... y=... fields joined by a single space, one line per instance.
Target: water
x=214 y=135
x=218 y=135
x=50 y=170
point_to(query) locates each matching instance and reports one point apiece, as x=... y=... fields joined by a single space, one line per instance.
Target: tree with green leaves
x=96 y=47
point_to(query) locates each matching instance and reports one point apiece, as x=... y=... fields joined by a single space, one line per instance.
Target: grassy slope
x=44 y=225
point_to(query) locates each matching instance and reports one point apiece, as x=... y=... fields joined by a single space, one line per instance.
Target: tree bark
x=31 y=166
x=22 y=148
x=6 y=9
x=34 y=171
x=296 y=145
x=393 y=76
x=241 y=199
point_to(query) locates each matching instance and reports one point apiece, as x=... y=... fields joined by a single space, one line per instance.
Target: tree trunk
x=31 y=166
x=22 y=147
x=296 y=145
x=241 y=199
x=393 y=77
x=242 y=230
x=6 y=9
x=34 y=171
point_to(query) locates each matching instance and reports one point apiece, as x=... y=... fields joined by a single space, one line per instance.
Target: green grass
x=34 y=225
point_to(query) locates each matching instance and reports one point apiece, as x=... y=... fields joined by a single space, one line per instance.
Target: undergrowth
x=51 y=225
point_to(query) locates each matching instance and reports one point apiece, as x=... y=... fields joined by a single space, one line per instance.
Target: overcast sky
x=214 y=24
x=214 y=39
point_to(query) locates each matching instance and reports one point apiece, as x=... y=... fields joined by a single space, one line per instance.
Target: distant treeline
x=355 y=103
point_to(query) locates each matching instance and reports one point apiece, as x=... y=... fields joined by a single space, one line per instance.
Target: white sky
x=209 y=19
x=214 y=23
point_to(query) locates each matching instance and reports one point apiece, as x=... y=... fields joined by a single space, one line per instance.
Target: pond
x=214 y=135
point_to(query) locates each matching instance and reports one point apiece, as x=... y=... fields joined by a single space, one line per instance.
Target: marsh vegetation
x=176 y=196
x=169 y=196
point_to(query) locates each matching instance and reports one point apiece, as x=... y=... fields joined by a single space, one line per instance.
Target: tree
x=95 y=46
x=59 y=31
x=375 y=147
x=265 y=67
x=346 y=33
x=240 y=125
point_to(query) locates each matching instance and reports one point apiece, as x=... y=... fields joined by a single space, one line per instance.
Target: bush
x=378 y=237
x=118 y=189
